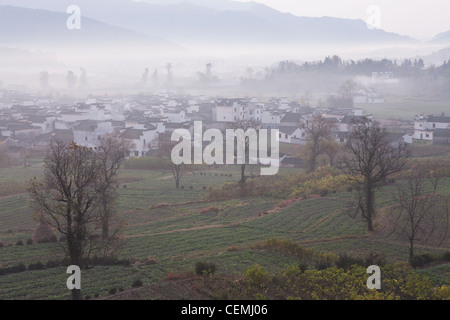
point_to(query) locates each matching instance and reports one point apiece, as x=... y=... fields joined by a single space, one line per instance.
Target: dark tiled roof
x=86 y=125
x=293 y=161
x=292 y=117
x=228 y=102
x=132 y=134
x=37 y=119
x=441 y=119
x=442 y=133
x=349 y=119
x=20 y=127
x=287 y=129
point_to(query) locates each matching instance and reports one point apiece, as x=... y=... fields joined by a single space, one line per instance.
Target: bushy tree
x=70 y=198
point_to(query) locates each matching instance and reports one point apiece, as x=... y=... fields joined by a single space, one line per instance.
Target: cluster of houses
x=30 y=124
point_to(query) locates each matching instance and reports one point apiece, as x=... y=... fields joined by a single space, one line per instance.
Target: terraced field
x=166 y=233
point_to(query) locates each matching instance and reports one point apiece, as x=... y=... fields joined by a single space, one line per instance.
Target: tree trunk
x=76 y=294
x=370 y=206
x=105 y=230
x=75 y=259
x=243 y=178
x=312 y=163
x=105 y=221
x=331 y=161
x=411 y=249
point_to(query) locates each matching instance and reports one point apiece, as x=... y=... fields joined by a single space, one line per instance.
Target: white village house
x=142 y=140
x=427 y=128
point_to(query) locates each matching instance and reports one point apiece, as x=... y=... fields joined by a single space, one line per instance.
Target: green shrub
x=345 y=262
x=52 y=264
x=374 y=259
x=446 y=256
x=256 y=275
x=137 y=283
x=14 y=269
x=29 y=241
x=421 y=260
x=203 y=267
x=112 y=290
x=19 y=243
x=36 y=266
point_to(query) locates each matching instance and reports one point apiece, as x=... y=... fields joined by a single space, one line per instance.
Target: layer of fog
x=113 y=69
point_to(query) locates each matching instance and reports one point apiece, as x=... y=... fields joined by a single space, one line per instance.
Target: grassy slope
x=172 y=239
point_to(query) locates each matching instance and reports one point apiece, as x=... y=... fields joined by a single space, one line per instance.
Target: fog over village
x=222 y=150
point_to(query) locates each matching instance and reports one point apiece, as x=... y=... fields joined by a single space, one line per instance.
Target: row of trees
x=71 y=79
x=406 y=67
x=205 y=78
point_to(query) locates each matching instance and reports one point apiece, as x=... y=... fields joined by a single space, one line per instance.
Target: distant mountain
x=442 y=38
x=47 y=29
x=438 y=57
x=220 y=21
x=221 y=5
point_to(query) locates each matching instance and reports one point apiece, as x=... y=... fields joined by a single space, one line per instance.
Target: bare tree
x=318 y=132
x=83 y=78
x=347 y=89
x=307 y=97
x=155 y=77
x=71 y=79
x=177 y=173
x=244 y=125
x=165 y=148
x=370 y=159
x=331 y=148
x=144 y=77
x=69 y=199
x=112 y=152
x=169 y=74
x=420 y=215
x=44 y=80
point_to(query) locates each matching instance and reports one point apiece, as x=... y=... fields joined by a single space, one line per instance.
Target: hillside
x=47 y=29
x=223 y=22
x=442 y=38
x=167 y=231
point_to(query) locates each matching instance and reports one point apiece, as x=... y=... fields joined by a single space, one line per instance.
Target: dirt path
x=315 y=225
x=13 y=195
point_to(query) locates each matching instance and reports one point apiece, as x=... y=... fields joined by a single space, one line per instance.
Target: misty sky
x=417 y=18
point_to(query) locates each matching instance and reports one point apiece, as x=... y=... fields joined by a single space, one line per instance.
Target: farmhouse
x=90 y=132
x=142 y=140
x=291 y=134
x=427 y=128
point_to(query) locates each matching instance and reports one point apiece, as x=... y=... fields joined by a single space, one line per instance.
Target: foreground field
x=167 y=232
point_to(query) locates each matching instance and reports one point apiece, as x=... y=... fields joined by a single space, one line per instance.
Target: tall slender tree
x=318 y=133
x=370 y=159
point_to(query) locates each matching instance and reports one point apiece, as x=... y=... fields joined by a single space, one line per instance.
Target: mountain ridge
x=186 y=23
